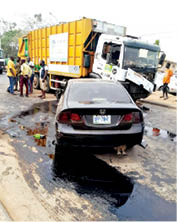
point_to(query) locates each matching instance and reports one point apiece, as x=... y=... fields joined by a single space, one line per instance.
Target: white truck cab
x=130 y=61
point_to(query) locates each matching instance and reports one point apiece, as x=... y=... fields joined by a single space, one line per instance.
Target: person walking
x=11 y=73
x=166 y=81
x=43 y=78
x=25 y=73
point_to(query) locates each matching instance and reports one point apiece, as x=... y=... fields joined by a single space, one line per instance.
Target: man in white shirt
x=43 y=78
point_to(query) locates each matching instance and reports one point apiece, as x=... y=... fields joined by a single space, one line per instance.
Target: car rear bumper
x=98 y=140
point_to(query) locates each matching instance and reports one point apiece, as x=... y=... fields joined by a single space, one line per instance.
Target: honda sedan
x=97 y=113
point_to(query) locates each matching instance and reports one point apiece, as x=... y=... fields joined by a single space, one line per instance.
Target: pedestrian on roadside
x=43 y=78
x=24 y=76
x=11 y=73
x=18 y=70
x=31 y=65
x=166 y=81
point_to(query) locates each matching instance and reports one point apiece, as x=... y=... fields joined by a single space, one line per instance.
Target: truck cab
x=130 y=61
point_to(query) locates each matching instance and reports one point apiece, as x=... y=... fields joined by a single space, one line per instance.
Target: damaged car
x=97 y=113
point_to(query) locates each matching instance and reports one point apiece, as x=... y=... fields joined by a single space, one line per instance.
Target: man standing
x=25 y=73
x=43 y=78
x=18 y=70
x=11 y=73
x=31 y=65
x=166 y=81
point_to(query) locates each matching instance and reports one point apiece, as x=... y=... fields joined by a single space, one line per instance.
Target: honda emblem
x=102 y=111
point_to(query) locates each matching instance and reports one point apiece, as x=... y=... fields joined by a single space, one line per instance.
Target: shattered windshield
x=140 y=58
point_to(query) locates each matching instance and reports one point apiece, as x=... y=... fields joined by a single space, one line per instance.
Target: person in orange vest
x=166 y=81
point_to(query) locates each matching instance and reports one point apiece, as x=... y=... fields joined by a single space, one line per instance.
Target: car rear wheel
x=137 y=141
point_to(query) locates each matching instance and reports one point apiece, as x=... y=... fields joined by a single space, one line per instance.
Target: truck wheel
x=36 y=82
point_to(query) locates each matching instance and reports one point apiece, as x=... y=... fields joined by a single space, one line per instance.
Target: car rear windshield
x=98 y=93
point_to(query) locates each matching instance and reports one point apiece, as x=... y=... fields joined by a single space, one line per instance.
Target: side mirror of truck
x=162 y=59
x=86 y=61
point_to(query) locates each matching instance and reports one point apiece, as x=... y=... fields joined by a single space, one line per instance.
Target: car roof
x=90 y=80
x=97 y=81
x=73 y=82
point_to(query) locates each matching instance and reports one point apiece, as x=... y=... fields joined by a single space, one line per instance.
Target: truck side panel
x=39 y=48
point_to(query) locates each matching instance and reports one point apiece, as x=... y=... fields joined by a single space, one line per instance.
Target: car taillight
x=137 y=118
x=127 y=118
x=64 y=117
x=75 y=117
x=69 y=118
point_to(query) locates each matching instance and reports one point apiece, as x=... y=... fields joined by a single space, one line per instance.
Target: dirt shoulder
x=155 y=99
x=20 y=203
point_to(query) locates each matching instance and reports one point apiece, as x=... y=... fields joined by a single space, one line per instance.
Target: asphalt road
x=94 y=185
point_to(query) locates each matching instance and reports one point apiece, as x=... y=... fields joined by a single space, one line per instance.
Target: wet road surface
x=117 y=191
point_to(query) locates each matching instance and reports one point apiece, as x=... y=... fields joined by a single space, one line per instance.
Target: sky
x=148 y=19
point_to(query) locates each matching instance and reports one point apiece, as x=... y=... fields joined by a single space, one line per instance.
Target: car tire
x=138 y=140
x=36 y=82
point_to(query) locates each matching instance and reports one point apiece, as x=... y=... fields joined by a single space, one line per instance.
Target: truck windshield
x=140 y=58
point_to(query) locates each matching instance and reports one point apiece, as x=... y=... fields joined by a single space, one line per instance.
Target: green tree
x=9 y=42
x=157 y=42
x=9 y=31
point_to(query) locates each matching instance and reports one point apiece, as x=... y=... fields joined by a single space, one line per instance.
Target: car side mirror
x=162 y=58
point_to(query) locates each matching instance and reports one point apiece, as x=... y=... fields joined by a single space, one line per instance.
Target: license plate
x=100 y=119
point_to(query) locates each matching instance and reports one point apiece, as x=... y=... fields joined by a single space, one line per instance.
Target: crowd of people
x=22 y=73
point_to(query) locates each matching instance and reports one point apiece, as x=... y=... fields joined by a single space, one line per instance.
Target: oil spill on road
x=44 y=107
x=36 y=120
x=81 y=171
x=88 y=174
x=92 y=176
